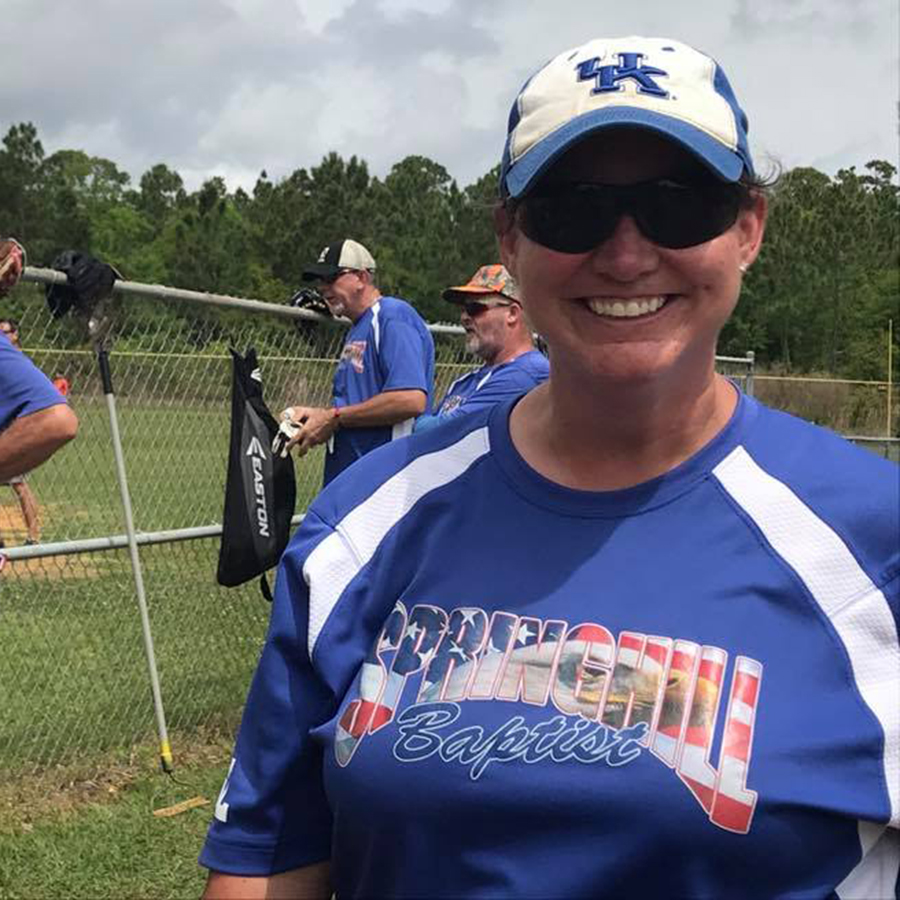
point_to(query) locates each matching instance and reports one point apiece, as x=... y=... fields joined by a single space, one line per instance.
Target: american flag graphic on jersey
x=617 y=696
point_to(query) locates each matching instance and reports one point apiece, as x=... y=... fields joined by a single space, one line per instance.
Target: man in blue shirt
x=34 y=418
x=497 y=332
x=24 y=494
x=385 y=375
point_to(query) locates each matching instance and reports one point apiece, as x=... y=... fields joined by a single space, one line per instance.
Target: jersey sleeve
x=272 y=814
x=24 y=389
x=402 y=357
x=504 y=384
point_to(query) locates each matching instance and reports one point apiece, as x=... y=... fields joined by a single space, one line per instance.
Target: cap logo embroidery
x=606 y=78
x=323 y=254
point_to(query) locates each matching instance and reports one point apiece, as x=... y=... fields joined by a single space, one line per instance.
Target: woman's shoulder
x=806 y=450
x=409 y=466
x=852 y=490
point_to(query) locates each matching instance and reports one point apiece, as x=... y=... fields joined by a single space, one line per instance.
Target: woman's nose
x=626 y=254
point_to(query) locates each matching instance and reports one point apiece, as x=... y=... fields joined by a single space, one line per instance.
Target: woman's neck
x=613 y=437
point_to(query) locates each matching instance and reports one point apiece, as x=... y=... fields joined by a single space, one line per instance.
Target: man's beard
x=473 y=343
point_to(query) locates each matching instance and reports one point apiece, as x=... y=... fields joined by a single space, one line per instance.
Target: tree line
x=817 y=300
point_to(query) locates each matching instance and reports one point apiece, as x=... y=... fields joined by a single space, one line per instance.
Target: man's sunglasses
x=575 y=218
x=331 y=279
x=475 y=308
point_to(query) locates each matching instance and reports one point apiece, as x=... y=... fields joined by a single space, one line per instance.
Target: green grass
x=175 y=461
x=74 y=670
x=105 y=842
x=73 y=673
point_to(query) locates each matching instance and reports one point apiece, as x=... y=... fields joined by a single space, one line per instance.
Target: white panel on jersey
x=376 y=325
x=857 y=609
x=484 y=380
x=336 y=560
x=875 y=878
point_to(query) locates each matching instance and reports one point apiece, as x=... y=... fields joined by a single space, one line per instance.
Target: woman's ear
x=751 y=226
x=507 y=234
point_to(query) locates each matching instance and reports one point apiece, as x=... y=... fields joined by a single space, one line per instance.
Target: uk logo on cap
x=608 y=78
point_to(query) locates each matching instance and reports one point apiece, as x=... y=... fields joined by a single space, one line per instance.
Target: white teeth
x=627 y=308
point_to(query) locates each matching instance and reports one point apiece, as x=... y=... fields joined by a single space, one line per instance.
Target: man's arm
x=309 y=883
x=386 y=408
x=33 y=438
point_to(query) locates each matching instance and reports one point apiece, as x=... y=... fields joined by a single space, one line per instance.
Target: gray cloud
x=230 y=87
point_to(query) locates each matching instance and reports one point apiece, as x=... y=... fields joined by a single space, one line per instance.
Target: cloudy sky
x=230 y=87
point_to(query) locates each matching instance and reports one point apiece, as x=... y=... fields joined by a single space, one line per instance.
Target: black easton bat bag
x=260 y=491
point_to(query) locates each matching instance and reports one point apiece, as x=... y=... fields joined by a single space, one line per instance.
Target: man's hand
x=287 y=431
x=12 y=262
x=304 y=427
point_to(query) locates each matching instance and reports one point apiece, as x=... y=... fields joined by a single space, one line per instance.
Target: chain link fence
x=73 y=674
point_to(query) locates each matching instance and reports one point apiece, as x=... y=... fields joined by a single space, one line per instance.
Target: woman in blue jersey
x=632 y=634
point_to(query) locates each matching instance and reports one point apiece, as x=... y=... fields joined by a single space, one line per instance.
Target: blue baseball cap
x=654 y=83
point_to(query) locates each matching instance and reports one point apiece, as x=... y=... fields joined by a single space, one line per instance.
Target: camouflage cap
x=492 y=279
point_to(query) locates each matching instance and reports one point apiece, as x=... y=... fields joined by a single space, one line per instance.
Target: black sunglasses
x=575 y=218
x=475 y=308
x=331 y=279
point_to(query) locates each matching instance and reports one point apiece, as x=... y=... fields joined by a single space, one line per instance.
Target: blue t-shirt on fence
x=389 y=348
x=24 y=389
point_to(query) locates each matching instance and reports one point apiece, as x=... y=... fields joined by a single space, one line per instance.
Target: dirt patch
x=12 y=525
x=63 y=790
x=52 y=568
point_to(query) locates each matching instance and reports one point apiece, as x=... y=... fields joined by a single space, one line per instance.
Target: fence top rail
x=815 y=380
x=871 y=439
x=747 y=360
x=161 y=292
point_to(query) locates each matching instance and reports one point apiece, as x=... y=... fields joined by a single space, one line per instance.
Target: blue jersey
x=24 y=389
x=480 y=683
x=493 y=384
x=387 y=349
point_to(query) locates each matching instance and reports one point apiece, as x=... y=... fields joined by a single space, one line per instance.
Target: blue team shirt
x=493 y=384
x=388 y=348
x=480 y=683
x=24 y=389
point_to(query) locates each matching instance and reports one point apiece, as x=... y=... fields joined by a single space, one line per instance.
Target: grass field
x=73 y=673
x=97 y=839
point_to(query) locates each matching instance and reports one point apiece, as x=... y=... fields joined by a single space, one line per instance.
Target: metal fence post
x=165 y=750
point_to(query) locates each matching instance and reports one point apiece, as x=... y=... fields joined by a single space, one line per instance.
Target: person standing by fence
x=35 y=420
x=497 y=332
x=23 y=492
x=385 y=376
x=632 y=634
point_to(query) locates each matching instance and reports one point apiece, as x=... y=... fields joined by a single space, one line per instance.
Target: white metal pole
x=165 y=749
